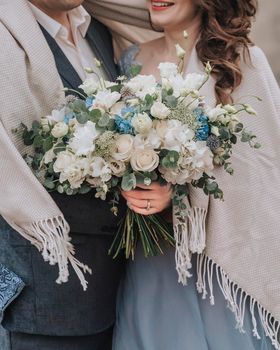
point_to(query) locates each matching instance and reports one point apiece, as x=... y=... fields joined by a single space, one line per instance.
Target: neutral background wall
x=266 y=32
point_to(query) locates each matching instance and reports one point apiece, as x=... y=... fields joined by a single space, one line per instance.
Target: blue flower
x=89 y=101
x=123 y=126
x=128 y=111
x=203 y=130
x=68 y=117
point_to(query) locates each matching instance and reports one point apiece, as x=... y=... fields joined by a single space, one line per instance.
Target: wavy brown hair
x=224 y=40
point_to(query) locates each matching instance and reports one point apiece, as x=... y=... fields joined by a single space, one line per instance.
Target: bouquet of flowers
x=135 y=131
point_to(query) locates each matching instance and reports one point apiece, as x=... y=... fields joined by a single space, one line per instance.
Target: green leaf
x=170 y=160
x=49 y=184
x=84 y=189
x=95 y=115
x=47 y=144
x=82 y=117
x=171 y=101
x=238 y=128
x=78 y=106
x=104 y=121
x=224 y=133
x=233 y=139
x=38 y=141
x=35 y=125
x=59 y=148
x=212 y=187
x=28 y=137
x=128 y=182
x=135 y=70
x=116 y=88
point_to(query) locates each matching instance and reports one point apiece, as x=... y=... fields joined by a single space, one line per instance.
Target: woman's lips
x=161 y=5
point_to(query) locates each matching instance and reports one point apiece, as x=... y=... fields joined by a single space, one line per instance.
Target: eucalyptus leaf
x=82 y=117
x=128 y=182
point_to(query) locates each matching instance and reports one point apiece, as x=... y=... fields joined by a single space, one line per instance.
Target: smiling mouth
x=161 y=5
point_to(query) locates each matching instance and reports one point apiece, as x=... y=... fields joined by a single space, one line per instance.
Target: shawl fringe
x=51 y=238
x=236 y=299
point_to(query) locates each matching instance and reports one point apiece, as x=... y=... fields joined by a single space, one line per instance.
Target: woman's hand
x=150 y=199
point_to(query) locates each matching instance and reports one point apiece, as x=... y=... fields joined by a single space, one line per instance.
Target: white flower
x=90 y=86
x=75 y=173
x=45 y=124
x=230 y=108
x=216 y=112
x=193 y=81
x=123 y=148
x=250 y=110
x=60 y=129
x=49 y=156
x=159 y=110
x=142 y=85
x=177 y=84
x=150 y=140
x=117 y=107
x=82 y=142
x=144 y=160
x=177 y=134
x=142 y=123
x=99 y=168
x=215 y=130
x=64 y=160
x=168 y=69
x=56 y=116
x=161 y=127
x=106 y=98
x=117 y=167
x=180 y=52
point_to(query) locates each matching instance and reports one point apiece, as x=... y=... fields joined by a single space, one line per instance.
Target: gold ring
x=148 y=207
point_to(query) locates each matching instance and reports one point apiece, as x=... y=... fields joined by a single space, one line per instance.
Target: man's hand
x=150 y=199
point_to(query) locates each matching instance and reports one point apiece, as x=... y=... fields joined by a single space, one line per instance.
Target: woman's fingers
x=140 y=203
x=144 y=211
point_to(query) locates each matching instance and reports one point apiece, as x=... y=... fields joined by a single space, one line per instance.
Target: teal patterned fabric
x=10 y=287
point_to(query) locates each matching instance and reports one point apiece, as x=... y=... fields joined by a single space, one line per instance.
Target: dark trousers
x=21 y=341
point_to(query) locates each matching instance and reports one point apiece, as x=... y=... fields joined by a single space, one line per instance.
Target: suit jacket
x=43 y=307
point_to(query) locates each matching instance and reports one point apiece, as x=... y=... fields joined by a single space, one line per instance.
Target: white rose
x=123 y=148
x=90 y=86
x=160 y=111
x=117 y=167
x=168 y=69
x=82 y=142
x=60 y=129
x=99 y=168
x=64 y=160
x=150 y=140
x=144 y=160
x=142 y=123
x=106 y=98
x=142 y=85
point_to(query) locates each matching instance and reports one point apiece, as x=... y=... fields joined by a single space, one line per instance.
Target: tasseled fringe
x=190 y=237
x=236 y=299
x=197 y=230
x=51 y=237
x=182 y=252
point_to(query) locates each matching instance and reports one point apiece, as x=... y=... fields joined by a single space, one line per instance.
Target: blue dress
x=155 y=312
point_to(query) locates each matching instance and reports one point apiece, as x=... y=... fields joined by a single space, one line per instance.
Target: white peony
x=60 y=129
x=123 y=148
x=75 y=173
x=193 y=81
x=142 y=85
x=168 y=69
x=106 y=98
x=64 y=160
x=160 y=111
x=142 y=123
x=100 y=169
x=82 y=142
x=90 y=86
x=144 y=160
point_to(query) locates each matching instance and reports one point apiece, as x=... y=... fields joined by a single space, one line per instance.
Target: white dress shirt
x=79 y=54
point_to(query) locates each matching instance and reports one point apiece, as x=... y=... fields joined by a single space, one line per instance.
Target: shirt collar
x=79 y=19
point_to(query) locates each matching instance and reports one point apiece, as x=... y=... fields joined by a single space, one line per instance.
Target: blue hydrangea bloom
x=89 y=101
x=128 y=110
x=123 y=126
x=203 y=131
x=68 y=117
